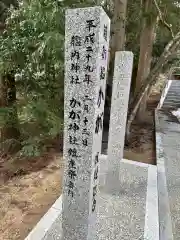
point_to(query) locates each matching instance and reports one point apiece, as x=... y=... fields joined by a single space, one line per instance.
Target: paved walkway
x=169 y=129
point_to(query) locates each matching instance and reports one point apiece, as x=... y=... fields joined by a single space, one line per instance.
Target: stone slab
x=132 y=209
x=124 y=215
x=151 y=230
x=123 y=211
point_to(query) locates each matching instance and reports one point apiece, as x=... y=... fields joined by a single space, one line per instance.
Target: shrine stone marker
x=118 y=116
x=86 y=51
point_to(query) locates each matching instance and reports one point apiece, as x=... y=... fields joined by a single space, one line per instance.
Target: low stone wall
x=131 y=213
x=163 y=200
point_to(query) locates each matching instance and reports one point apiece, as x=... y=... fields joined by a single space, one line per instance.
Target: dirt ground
x=27 y=191
x=28 y=187
x=142 y=147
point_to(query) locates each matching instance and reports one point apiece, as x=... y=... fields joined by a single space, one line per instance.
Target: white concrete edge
x=45 y=223
x=164 y=93
x=124 y=160
x=151 y=228
x=165 y=223
x=104 y=167
x=140 y=164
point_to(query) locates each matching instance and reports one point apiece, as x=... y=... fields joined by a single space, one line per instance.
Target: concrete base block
x=129 y=213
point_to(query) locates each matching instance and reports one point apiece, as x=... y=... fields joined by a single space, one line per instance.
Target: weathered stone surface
x=86 y=54
x=120 y=215
x=119 y=107
x=129 y=213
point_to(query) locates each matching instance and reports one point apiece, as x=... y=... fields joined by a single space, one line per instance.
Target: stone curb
x=165 y=226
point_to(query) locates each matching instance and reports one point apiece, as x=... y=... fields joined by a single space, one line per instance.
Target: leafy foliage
x=32 y=48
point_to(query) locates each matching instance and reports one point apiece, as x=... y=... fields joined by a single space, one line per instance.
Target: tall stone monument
x=86 y=53
x=119 y=107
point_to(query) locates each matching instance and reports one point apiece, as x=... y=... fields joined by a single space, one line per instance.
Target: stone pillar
x=86 y=53
x=119 y=107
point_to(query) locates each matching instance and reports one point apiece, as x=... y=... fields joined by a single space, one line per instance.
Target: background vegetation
x=32 y=62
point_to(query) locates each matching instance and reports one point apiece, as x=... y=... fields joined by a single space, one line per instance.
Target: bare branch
x=168 y=26
x=171 y=48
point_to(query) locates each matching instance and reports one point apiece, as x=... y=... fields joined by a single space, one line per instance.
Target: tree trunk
x=10 y=128
x=167 y=55
x=117 y=42
x=145 y=57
